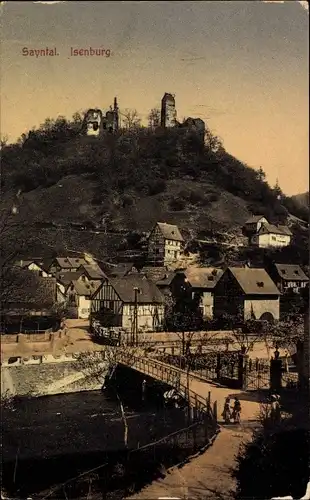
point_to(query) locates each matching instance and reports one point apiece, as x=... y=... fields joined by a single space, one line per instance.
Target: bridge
x=202 y=395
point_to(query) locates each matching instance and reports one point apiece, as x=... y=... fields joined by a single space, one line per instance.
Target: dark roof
x=254 y=281
x=92 y=271
x=124 y=288
x=118 y=270
x=154 y=273
x=272 y=229
x=254 y=219
x=203 y=277
x=65 y=277
x=32 y=291
x=84 y=288
x=167 y=279
x=291 y=272
x=170 y=231
x=70 y=262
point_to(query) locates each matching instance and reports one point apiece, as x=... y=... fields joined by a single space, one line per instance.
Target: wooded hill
x=136 y=177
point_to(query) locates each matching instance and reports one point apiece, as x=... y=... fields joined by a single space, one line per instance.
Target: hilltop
x=131 y=179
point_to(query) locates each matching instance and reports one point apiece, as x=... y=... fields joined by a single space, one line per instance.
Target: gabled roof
x=118 y=270
x=291 y=272
x=154 y=273
x=254 y=281
x=124 y=287
x=84 y=288
x=272 y=229
x=24 y=264
x=170 y=231
x=254 y=219
x=65 y=277
x=70 y=262
x=93 y=272
x=203 y=277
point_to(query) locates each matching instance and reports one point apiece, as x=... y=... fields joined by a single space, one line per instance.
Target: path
x=207 y=476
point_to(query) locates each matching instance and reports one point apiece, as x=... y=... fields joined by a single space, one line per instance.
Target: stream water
x=47 y=440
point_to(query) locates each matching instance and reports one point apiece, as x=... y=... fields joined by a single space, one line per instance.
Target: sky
x=242 y=66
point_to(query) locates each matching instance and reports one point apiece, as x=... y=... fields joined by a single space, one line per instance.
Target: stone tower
x=168 y=111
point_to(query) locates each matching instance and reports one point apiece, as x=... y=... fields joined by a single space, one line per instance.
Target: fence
x=142 y=463
x=222 y=367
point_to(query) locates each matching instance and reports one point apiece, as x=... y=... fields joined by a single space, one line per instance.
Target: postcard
x=154 y=236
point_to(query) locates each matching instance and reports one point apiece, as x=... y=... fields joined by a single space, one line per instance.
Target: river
x=47 y=440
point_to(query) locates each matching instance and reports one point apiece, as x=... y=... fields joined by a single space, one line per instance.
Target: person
x=226 y=412
x=275 y=413
x=236 y=411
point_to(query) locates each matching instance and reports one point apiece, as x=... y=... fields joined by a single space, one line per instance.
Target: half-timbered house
x=164 y=244
x=118 y=301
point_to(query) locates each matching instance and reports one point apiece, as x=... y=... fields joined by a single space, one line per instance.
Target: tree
x=154 y=118
x=95 y=364
x=261 y=176
x=130 y=118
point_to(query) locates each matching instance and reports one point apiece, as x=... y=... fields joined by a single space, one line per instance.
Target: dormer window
x=296 y=272
x=260 y=284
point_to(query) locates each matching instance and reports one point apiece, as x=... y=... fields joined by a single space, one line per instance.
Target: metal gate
x=257 y=374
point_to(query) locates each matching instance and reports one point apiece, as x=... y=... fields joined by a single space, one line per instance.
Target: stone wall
x=36 y=378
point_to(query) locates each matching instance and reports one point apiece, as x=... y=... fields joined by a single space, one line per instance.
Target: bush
x=177 y=204
x=156 y=187
x=127 y=201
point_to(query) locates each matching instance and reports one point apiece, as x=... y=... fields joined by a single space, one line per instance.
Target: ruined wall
x=93 y=122
x=168 y=111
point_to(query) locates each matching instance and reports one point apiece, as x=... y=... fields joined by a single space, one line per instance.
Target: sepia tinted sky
x=241 y=66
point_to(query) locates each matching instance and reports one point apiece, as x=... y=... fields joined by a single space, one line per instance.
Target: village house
x=36 y=265
x=78 y=298
x=121 y=301
x=165 y=244
x=91 y=272
x=270 y=235
x=246 y=293
x=66 y=264
x=253 y=224
x=202 y=281
x=63 y=279
x=288 y=277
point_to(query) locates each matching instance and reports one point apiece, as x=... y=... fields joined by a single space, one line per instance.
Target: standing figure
x=236 y=411
x=275 y=413
x=143 y=389
x=226 y=412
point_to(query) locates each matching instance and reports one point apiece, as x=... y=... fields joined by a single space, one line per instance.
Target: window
x=273 y=238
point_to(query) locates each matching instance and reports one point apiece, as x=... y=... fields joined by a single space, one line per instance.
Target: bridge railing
x=174 y=377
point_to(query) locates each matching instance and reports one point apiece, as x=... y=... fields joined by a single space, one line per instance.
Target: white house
x=254 y=223
x=202 y=281
x=270 y=235
x=78 y=295
x=165 y=244
x=35 y=265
